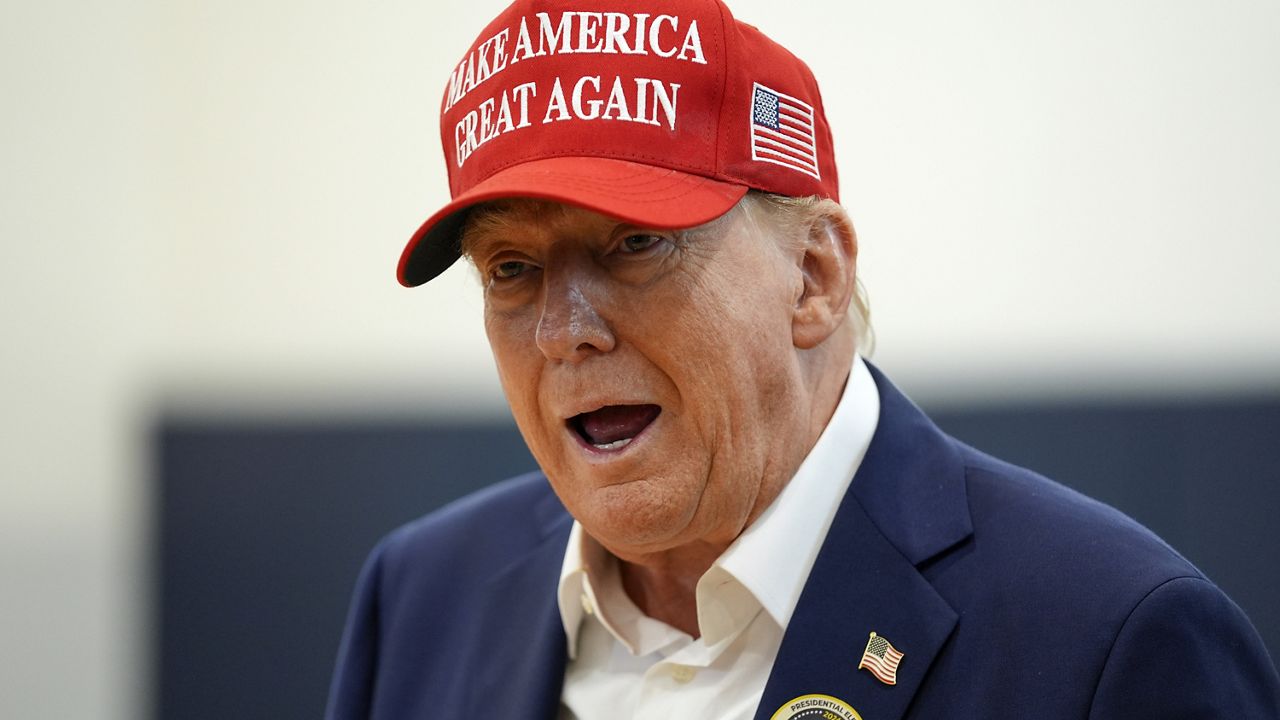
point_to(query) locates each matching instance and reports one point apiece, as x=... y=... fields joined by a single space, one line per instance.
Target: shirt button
x=682 y=673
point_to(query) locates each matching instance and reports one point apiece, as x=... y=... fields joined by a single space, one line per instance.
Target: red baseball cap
x=662 y=114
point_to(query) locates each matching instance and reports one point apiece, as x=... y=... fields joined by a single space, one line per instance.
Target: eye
x=509 y=269
x=640 y=242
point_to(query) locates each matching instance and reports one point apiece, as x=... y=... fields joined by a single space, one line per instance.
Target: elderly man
x=737 y=517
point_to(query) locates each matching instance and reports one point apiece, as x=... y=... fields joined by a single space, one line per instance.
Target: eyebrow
x=473 y=243
x=483 y=228
x=477 y=234
x=484 y=220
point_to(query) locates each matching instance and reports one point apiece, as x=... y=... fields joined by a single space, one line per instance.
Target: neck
x=664 y=587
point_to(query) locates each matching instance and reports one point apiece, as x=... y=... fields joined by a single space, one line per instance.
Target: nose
x=570 y=327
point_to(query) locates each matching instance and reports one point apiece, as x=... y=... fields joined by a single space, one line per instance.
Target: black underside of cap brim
x=436 y=251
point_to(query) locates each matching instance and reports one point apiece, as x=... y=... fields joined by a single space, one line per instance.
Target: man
x=737 y=516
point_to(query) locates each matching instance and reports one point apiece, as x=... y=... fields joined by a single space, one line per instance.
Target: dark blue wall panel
x=262 y=530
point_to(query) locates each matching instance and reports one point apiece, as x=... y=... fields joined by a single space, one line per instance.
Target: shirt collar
x=575 y=593
x=772 y=558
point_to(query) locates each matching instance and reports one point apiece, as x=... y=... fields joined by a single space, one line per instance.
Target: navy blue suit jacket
x=1009 y=595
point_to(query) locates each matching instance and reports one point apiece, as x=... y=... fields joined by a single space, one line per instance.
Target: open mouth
x=613 y=427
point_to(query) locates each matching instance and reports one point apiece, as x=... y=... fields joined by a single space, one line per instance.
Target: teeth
x=615 y=445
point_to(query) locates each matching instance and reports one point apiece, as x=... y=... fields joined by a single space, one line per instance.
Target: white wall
x=203 y=204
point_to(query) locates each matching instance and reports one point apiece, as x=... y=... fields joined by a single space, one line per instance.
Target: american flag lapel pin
x=881 y=658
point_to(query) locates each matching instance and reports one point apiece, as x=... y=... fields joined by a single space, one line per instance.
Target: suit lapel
x=906 y=504
x=519 y=652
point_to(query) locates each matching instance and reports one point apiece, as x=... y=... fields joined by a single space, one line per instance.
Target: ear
x=828 y=267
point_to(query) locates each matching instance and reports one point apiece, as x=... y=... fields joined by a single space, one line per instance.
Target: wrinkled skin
x=718 y=325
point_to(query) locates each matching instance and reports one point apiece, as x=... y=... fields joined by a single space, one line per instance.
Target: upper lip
x=582 y=406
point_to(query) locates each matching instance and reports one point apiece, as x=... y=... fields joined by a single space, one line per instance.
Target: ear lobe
x=828 y=266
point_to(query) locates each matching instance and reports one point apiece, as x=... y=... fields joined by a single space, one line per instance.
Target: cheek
x=724 y=325
x=519 y=364
x=729 y=349
x=511 y=336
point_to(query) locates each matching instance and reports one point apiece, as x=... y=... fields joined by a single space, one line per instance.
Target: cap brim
x=634 y=193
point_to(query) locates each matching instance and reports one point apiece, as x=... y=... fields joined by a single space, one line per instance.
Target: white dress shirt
x=625 y=664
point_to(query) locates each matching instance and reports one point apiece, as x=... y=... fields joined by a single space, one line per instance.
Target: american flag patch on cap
x=782 y=131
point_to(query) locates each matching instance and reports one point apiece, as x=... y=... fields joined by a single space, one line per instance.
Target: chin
x=641 y=516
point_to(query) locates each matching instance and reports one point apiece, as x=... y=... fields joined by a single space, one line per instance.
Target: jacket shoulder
x=1070 y=608
x=1186 y=628
x=1031 y=519
x=481 y=529
x=414 y=620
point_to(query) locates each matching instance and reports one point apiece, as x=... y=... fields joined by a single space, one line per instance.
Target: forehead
x=513 y=218
x=510 y=213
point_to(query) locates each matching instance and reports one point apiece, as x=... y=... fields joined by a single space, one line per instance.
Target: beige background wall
x=203 y=204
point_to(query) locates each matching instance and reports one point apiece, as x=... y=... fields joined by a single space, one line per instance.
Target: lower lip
x=603 y=455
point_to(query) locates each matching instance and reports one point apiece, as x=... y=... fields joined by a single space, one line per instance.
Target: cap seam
x=724 y=90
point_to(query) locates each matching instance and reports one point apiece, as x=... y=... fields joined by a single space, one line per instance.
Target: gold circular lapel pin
x=816 y=707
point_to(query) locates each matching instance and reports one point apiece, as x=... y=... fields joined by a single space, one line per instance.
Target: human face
x=651 y=372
